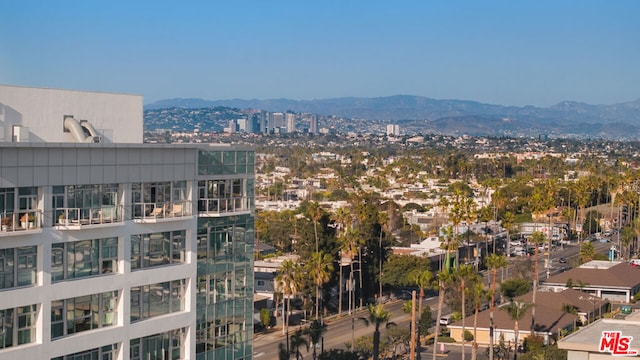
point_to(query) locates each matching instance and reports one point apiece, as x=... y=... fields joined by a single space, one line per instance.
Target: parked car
x=562 y=260
x=446 y=320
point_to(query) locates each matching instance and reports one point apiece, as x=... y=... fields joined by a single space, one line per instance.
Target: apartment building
x=115 y=249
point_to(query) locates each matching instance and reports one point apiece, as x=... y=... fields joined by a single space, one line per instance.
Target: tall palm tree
x=494 y=262
x=463 y=274
x=315 y=332
x=297 y=340
x=315 y=212
x=516 y=310
x=444 y=279
x=286 y=280
x=320 y=269
x=342 y=216
x=423 y=279
x=537 y=238
x=478 y=293
x=508 y=221
x=378 y=316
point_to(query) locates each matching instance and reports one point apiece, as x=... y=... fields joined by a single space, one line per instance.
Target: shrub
x=468 y=336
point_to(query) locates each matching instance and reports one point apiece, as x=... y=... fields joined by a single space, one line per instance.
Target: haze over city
x=499 y=52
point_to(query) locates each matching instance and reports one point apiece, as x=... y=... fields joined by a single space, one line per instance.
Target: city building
x=115 y=249
x=604 y=339
x=614 y=280
x=291 y=123
x=313 y=124
x=393 y=130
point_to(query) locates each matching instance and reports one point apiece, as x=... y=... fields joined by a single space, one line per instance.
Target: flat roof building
x=115 y=249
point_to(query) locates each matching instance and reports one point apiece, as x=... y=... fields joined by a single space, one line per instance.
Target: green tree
x=463 y=274
x=378 y=316
x=513 y=288
x=320 y=268
x=286 y=283
x=265 y=318
x=401 y=270
x=537 y=238
x=444 y=278
x=494 y=262
x=516 y=311
x=478 y=294
x=587 y=252
x=315 y=332
x=297 y=340
x=423 y=279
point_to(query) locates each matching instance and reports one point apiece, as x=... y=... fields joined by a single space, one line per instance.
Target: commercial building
x=115 y=249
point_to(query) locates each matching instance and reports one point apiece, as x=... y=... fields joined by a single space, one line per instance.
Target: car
x=562 y=260
x=446 y=320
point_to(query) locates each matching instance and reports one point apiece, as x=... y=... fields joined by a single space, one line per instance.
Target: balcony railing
x=215 y=207
x=152 y=212
x=72 y=217
x=22 y=220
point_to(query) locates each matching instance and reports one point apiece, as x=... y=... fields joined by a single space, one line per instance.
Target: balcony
x=81 y=218
x=21 y=222
x=159 y=212
x=223 y=207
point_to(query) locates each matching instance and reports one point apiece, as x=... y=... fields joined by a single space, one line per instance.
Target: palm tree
x=377 y=316
x=494 y=262
x=342 y=216
x=478 y=294
x=463 y=274
x=286 y=280
x=320 y=269
x=297 y=340
x=516 y=311
x=508 y=220
x=315 y=332
x=444 y=279
x=423 y=279
x=315 y=212
x=537 y=238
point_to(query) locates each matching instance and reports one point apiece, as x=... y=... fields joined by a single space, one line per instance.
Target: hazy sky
x=501 y=52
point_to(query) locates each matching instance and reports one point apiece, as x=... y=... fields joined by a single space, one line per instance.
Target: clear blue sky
x=501 y=52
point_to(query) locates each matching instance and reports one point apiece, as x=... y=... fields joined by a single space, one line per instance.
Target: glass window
x=155 y=249
x=17 y=326
x=83 y=258
x=157 y=299
x=108 y=352
x=18 y=267
x=83 y=313
x=168 y=345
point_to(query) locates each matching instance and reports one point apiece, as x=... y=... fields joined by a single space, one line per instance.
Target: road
x=341 y=330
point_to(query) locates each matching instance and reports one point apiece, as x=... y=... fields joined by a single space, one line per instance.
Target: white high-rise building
x=393 y=130
x=291 y=123
x=115 y=249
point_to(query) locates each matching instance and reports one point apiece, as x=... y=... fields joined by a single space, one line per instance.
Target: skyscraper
x=313 y=124
x=115 y=249
x=291 y=123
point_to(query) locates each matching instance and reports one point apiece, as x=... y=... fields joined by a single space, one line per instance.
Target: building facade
x=115 y=249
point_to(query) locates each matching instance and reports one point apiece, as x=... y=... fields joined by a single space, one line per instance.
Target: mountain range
x=424 y=114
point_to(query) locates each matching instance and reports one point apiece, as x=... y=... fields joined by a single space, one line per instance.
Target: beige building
x=614 y=280
x=550 y=318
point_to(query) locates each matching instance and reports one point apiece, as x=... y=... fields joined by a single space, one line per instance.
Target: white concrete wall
x=118 y=118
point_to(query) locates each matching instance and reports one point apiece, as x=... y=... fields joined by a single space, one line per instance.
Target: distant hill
x=454 y=116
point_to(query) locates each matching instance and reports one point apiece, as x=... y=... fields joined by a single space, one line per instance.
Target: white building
x=115 y=249
x=393 y=130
